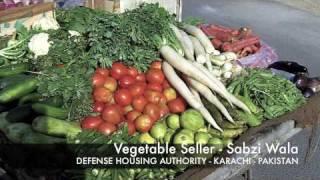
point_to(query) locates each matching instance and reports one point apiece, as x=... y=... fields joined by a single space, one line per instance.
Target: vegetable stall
x=142 y=77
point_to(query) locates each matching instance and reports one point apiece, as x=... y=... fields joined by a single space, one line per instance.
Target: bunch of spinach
x=274 y=94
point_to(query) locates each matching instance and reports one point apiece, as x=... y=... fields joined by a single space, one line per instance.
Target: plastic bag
x=262 y=59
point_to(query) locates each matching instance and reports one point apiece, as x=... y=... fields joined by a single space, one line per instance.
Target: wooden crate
x=26 y=15
x=119 y=6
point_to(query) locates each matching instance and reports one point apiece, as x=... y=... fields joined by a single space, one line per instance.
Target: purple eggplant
x=290 y=67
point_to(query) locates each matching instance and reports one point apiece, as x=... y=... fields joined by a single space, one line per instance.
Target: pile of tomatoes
x=123 y=95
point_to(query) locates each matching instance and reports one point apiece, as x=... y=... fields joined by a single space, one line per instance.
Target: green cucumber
x=16 y=131
x=30 y=98
x=8 y=106
x=7 y=81
x=22 y=113
x=50 y=110
x=55 y=127
x=38 y=138
x=3 y=121
x=13 y=69
x=55 y=101
x=18 y=90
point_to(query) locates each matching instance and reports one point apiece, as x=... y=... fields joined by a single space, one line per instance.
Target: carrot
x=185 y=92
x=238 y=45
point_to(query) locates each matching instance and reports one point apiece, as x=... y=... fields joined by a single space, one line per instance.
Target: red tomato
x=127 y=109
x=111 y=101
x=155 y=87
x=112 y=114
x=125 y=81
x=91 y=122
x=98 y=107
x=155 y=76
x=141 y=77
x=177 y=105
x=123 y=97
x=166 y=84
x=152 y=96
x=152 y=110
x=143 y=123
x=163 y=99
x=164 y=110
x=102 y=94
x=118 y=70
x=133 y=72
x=103 y=71
x=107 y=128
x=131 y=128
x=98 y=80
x=137 y=89
x=156 y=65
x=139 y=103
x=132 y=115
x=170 y=94
x=110 y=84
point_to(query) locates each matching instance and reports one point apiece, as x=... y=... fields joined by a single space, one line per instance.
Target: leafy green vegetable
x=274 y=94
x=194 y=21
x=132 y=37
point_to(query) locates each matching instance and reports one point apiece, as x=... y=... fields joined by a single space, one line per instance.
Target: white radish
x=231 y=98
x=204 y=40
x=199 y=50
x=196 y=94
x=207 y=93
x=216 y=52
x=188 y=42
x=208 y=63
x=187 y=51
x=186 y=67
x=184 y=91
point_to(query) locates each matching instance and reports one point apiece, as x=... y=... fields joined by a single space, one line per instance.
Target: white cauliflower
x=39 y=44
x=74 y=33
x=46 y=23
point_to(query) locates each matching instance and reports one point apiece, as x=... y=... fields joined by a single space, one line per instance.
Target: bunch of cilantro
x=132 y=37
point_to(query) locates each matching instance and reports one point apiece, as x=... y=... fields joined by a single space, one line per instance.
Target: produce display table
x=273 y=131
x=160 y=91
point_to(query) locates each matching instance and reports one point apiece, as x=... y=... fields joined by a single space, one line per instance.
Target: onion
x=301 y=81
x=308 y=92
x=314 y=84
